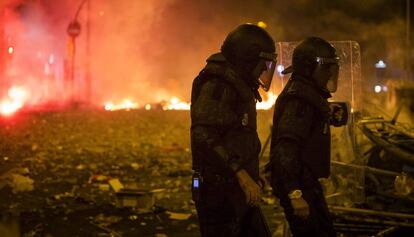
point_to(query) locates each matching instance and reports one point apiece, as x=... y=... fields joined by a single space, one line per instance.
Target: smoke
x=150 y=50
x=159 y=46
x=377 y=25
x=36 y=62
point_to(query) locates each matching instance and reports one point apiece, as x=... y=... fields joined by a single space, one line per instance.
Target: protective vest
x=315 y=149
x=236 y=125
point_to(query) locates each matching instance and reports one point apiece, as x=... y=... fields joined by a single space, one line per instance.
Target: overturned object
x=135 y=198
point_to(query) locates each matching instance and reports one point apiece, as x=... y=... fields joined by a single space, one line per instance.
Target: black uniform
x=223 y=133
x=300 y=153
x=223 y=141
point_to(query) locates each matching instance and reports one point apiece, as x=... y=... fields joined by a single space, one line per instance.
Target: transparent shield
x=346 y=184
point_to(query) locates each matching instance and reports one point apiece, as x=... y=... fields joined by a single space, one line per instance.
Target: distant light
x=380 y=64
x=384 y=88
x=377 y=89
x=109 y=106
x=262 y=24
x=280 y=69
x=174 y=100
x=101 y=13
x=128 y=104
x=10 y=50
x=147 y=107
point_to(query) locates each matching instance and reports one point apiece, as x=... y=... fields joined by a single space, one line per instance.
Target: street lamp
x=74 y=30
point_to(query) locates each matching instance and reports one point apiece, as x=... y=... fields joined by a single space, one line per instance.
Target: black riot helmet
x=251 y=51
x=316 y=58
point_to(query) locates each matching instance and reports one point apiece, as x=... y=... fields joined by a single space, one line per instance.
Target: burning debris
x=17 y=97
x=176 y=104
x=125 y=105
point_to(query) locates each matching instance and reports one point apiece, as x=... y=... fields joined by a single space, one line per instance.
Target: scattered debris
x=20 y=183
x=161 y=235
x=104 y=187
x=116 y=185
x=178 y=216
x=98 y=178
x=111 y=232
x=120 y=182
x=106 y=220
x=135 y=166
x=135 y=198
x=80 y=167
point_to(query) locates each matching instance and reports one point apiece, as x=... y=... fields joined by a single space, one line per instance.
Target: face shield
x=267 y=69
x=331 y=64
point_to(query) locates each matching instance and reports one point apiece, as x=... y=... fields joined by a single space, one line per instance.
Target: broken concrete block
x=116 y=185
x=135 y=198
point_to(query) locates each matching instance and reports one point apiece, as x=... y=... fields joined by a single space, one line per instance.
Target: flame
x=126 y=104
x=267 y=103
x=176 y=104
x=15 y=100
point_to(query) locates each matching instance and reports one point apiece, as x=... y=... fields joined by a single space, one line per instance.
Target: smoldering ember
x=95 y=121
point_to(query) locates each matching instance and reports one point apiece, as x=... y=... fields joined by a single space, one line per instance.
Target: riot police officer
x=224 y=140
x=300 y=146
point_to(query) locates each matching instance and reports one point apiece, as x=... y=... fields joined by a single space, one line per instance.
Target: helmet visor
x=331 y=64
x=266 y=77
x=332 y=84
